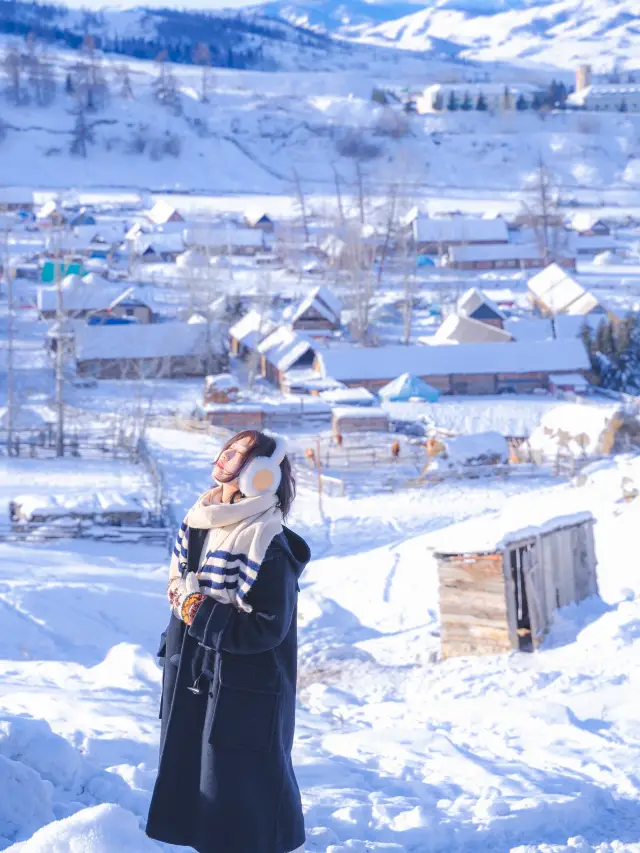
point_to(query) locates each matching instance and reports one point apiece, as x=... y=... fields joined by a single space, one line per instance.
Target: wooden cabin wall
x=474 y=617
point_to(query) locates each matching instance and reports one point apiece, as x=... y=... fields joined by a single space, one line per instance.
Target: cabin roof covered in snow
x=464 y=330
x=585 y=220
x=473 y=299
x=252 y=328
x=323 y=301
x=460 y=229
x=76 y=296
x=559 y=292
x=159 y=241
x=492 y=532
x=494 y=252
x=215 y=238
x=151 y=340
x=162 y=212
x=542 y=328
x=353 y=363
x=283 y=347
x=345 y=396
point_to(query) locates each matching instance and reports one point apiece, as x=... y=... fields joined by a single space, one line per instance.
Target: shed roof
x=76 y=296
x=473 y=299
x=283 y=347
x=352 y=363
x=152 y=340
x=322 y=300
x=252 y=328
x=215 y=238
x=490 y=532
x=162 y=212
x=494 y=252
x=460 y=229
x=559 y=292
x=463 y=330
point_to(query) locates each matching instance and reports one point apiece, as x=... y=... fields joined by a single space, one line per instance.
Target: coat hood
x=298 y=549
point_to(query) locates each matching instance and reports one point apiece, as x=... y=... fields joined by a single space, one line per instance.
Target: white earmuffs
x=262 y=475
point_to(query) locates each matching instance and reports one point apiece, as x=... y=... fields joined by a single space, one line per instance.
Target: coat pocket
x=246 y=707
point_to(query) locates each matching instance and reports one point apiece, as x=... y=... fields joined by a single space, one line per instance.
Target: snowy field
x=394 y=751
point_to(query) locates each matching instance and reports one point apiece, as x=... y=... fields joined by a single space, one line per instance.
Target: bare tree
x=202 y=56
x=360 y=190
x=263 y=303
x=82 y=135
x=390 y=226
x=123 y=77
x=301 y=204
x=165 y=85
x=14 y=68
x=543 y=213
x=407 y=255
x=363 y=282
x=338 y=184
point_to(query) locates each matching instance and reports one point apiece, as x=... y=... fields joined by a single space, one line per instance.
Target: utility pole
x=8 y=274
x=59 y=355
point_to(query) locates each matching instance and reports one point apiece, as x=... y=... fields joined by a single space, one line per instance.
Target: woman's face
x=229 y=464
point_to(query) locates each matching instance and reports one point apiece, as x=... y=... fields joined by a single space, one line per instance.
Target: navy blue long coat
x=225 y=779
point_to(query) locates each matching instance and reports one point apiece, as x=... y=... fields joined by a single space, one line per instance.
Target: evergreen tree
x=538 y=101
x=623 y=107
x=438 y=102
x=467 y=103
x=452 y=103
x=481 y=103
x=521 y=103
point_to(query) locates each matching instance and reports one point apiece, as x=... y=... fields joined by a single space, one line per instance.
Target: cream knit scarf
x=240 y=534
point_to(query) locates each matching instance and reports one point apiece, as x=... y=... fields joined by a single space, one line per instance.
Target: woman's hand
x=185 y=597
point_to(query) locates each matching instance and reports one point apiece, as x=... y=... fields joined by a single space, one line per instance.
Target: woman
x=225 y=778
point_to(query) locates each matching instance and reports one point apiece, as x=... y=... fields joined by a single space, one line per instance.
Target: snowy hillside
x=256 y=127
x=560 y=33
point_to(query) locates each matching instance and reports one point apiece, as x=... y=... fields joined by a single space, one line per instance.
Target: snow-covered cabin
x=476 y=305
x=318 y=312
x=485 y=368
x=16 y=199
x=153 y=351
x=248 y=332
x=79 y=299
x=462 y=330
x=81 y=218
x=225 y=241
x=546 y=328
x=257 y=218
x=554 y=291
x=500 y=256
x=432 y=235
x=284 y=350
x=162 y=213
x=159 y=247
x=51 y=215
x=588 y=225
x=502 y=576
x=591 y=245
x=348 y=419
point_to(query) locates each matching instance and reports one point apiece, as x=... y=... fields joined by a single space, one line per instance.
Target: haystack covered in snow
x=408 y=387
x=580 y=430
x=192 y=259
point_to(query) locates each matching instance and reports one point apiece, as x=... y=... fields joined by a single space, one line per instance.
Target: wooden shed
x=359 y=419
x=500 y=586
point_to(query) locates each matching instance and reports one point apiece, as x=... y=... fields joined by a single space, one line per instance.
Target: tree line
x=554 y=97
x=614 y=350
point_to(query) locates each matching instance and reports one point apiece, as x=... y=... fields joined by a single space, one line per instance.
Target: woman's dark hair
x=264 y=445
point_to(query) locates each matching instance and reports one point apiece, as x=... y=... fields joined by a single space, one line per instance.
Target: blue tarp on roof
x=407 y=386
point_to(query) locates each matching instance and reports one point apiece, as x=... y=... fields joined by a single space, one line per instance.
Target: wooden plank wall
x=473 y=605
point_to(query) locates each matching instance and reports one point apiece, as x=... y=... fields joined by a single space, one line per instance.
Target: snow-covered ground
x=394 y=751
